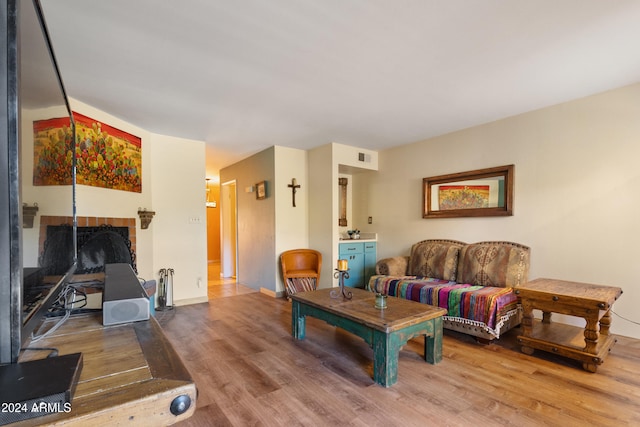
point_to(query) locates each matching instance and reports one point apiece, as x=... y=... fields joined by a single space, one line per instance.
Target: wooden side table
x=591 y=302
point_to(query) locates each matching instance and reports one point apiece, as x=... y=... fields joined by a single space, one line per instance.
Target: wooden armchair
x=300 y=270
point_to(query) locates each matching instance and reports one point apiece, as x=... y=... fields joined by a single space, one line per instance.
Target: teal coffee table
x=385 y=330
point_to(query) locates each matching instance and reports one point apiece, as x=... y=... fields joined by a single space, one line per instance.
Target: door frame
x=229 y=229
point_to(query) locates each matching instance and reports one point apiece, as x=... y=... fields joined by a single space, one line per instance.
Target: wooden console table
x=131 y=374
x=591 y=302
x=385 y=330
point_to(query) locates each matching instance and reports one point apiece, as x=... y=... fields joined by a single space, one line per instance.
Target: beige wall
x=53 y=200
x=256 y=264
x=291 y=223
x=326 y=164
x=322 y=229
x=576 y=198
x=266 y=228
x=179 y=226
x=172 y=185
x=95 y=201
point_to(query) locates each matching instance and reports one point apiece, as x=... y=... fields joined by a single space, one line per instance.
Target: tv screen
x=35 y=94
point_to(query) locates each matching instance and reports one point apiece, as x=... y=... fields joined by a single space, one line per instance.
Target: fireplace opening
x=97 y=246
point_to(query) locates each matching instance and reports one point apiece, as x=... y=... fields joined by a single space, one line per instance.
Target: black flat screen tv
x=34 y=91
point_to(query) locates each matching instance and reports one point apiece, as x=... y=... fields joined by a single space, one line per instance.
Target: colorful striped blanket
x=485 y=306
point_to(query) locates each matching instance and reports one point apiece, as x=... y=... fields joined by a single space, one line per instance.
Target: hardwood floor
x=249 y=371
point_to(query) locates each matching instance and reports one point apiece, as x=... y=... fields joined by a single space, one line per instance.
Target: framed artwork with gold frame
x=482 y=192
x=261 y=190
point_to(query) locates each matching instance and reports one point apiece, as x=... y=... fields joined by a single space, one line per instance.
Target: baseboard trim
x=268 y=292
x=271 y=293
x=190 y=301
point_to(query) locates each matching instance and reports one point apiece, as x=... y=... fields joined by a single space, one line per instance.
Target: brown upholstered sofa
x=472 y=281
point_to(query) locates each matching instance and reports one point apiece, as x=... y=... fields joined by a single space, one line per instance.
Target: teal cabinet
x=361 y=257
x=369 y=261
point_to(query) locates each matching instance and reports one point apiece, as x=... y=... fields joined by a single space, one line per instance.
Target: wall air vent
x=364 y=157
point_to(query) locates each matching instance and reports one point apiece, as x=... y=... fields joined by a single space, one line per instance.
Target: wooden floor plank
x=250 y=371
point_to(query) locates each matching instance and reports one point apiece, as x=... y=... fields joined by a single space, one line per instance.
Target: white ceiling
x=243 y=75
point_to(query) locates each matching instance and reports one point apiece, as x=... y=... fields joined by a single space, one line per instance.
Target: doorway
x=228 y=199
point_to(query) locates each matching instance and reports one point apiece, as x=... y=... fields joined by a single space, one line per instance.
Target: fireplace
x=100 y=241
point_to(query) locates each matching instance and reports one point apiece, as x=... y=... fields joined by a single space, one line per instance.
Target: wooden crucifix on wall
x=293 y=186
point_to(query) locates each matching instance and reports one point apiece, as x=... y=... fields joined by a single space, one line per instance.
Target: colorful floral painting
x=106 y=157
x=463 y=196
x=52 y=152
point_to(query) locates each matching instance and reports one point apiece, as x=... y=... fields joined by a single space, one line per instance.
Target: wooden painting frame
x=493 y=185
x=261 y=190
